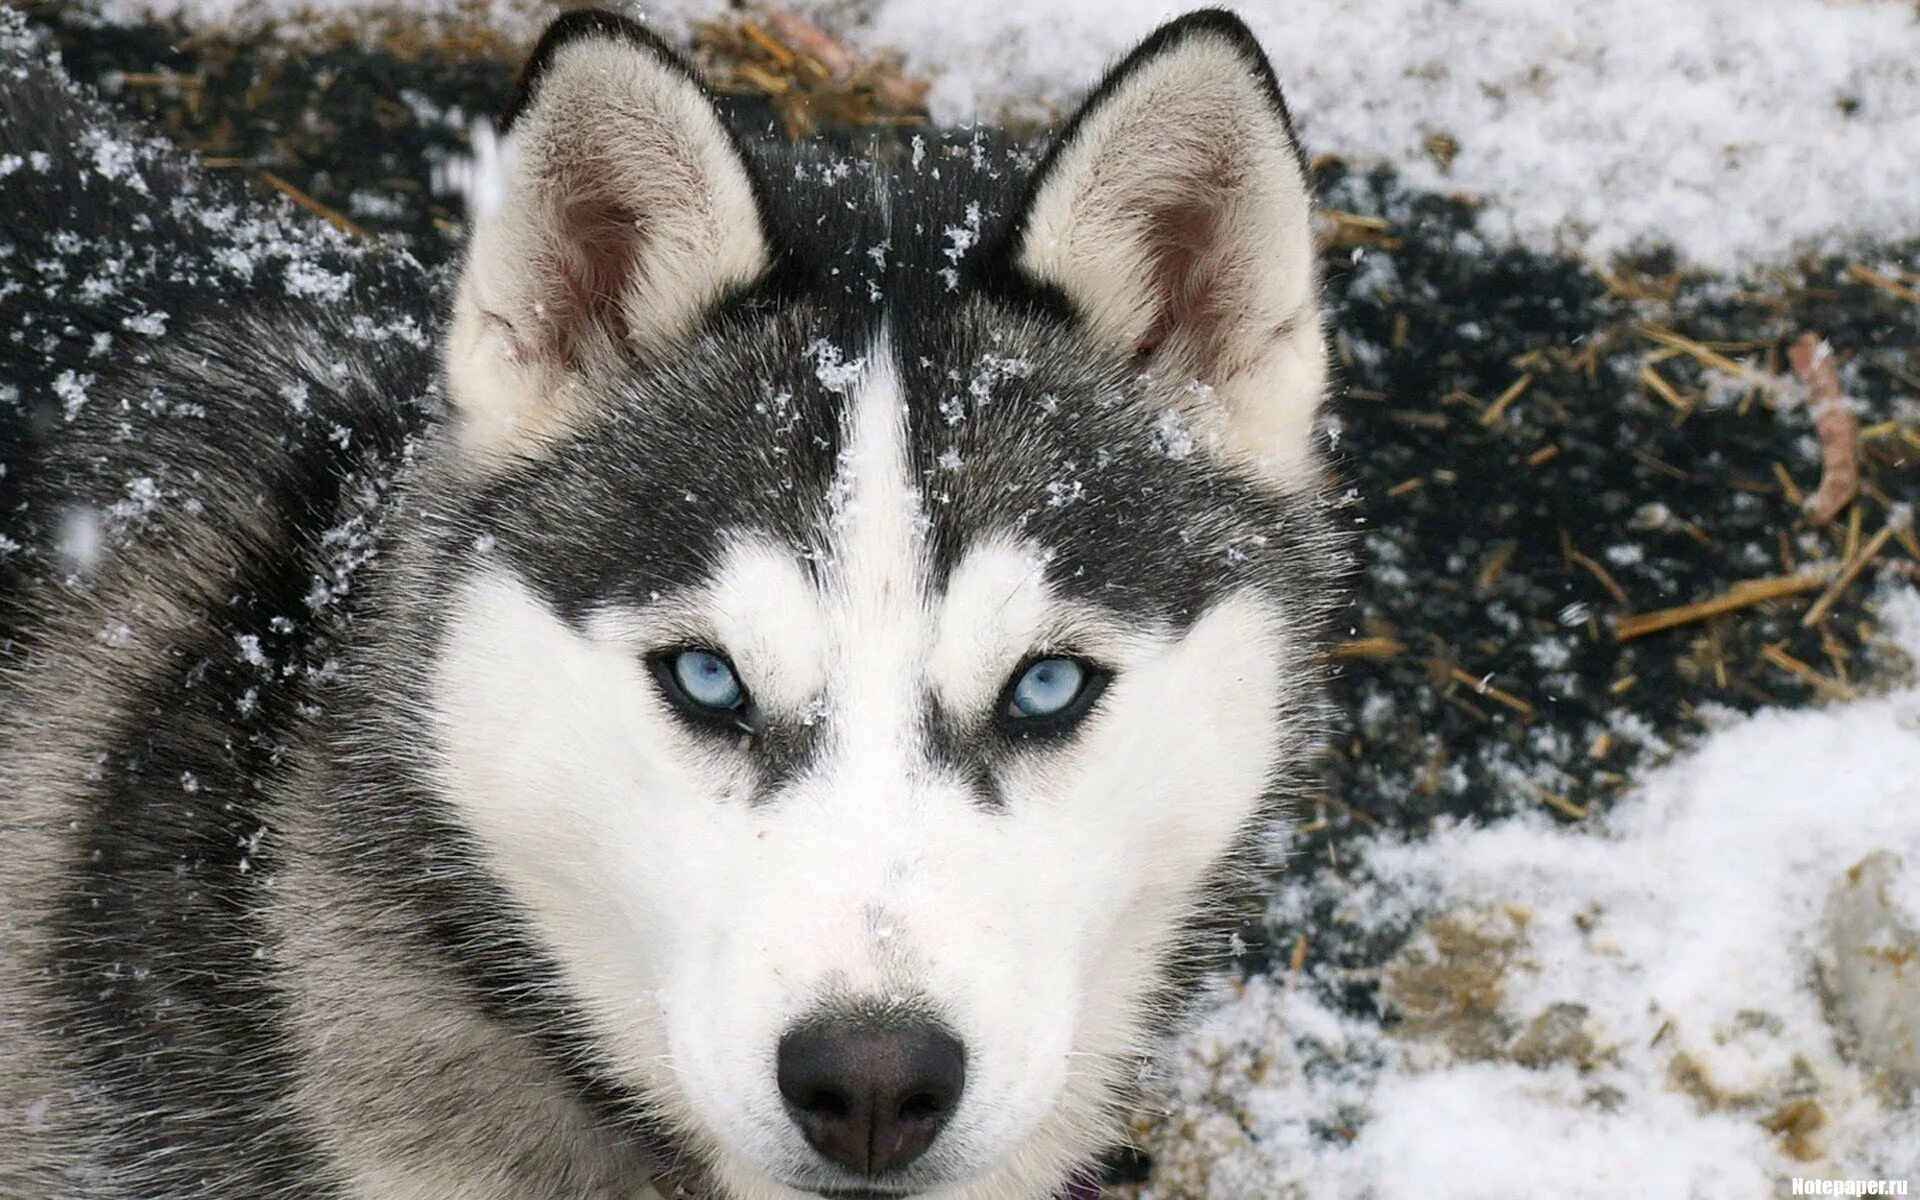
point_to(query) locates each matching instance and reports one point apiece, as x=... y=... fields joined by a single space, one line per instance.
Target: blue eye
x=1048 y=687
x=708 y=680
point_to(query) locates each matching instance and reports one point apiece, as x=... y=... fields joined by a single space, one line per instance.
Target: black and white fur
x=351 y=847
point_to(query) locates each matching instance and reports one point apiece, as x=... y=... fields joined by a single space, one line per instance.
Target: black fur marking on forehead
x=733 y=438
x=1020 y=433
x=738 y=433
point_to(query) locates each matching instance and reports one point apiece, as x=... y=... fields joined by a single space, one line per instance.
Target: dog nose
x=871 y=1097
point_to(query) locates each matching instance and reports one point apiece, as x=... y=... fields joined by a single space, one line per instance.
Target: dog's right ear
x=1174 y=213
x=628 y=210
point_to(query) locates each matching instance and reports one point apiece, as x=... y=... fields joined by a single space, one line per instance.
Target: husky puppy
x=763 y=685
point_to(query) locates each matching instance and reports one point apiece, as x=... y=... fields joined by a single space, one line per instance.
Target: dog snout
x=868 y=1097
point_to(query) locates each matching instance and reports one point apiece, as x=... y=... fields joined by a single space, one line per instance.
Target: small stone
x=1558 y=1035
x=1870 y=971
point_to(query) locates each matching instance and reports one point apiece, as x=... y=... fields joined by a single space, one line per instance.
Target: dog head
x=881 y=600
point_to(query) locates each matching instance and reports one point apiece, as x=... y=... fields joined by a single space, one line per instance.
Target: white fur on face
x=699 y=920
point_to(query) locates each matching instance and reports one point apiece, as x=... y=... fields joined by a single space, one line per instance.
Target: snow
x=299 y=15
x=1741 y=133
x=481 y=180
x=1678 y=937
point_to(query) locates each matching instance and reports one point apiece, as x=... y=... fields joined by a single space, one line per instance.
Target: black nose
x=871 y=1097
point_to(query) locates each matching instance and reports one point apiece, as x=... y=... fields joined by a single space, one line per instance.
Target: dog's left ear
x=1174 y=213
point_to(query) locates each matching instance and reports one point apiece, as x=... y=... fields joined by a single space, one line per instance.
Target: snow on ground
x=1739 y=131
x=1732 y=129
x=298 y=16
x=1639 y=1007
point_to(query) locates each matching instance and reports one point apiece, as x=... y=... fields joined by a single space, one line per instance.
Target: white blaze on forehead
x=876 y=586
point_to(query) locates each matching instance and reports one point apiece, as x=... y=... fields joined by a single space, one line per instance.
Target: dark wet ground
x=1485 y=675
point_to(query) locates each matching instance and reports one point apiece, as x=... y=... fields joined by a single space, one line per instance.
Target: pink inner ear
x=1189 y=272
x=595 y=257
